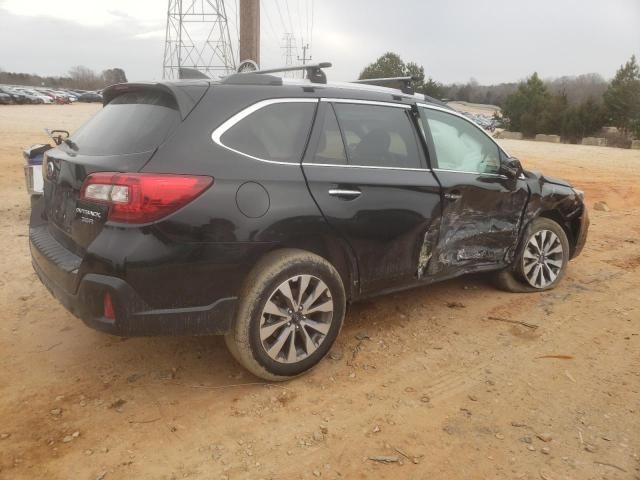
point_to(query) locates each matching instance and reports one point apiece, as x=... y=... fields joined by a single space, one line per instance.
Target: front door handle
x=345 y=193
x=453 y=196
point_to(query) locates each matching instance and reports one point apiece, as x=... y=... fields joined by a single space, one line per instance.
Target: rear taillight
x=109 y=311
x=142 y=197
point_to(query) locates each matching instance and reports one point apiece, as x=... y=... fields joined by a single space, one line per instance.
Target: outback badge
x=89 y=214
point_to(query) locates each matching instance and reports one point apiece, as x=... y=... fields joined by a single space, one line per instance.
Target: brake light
x=109 y=312
x=142 y=197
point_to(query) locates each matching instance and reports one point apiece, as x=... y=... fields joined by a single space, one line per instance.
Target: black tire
x=270 y=273
x=514 y=279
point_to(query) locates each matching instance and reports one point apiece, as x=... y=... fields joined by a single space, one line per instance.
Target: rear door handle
x=345 y=193
x=453 y=196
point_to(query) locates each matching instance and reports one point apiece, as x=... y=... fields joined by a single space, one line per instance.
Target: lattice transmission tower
x=198 y=37
x=289 y=46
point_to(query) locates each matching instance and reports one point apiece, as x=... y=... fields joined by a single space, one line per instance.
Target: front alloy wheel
x=541 y=262
x=543 y=259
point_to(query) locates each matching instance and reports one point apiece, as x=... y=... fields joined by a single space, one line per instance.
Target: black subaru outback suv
x=259 y=208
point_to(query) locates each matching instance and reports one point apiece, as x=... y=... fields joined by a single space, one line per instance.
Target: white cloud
x=151 y=34
x=91 y=13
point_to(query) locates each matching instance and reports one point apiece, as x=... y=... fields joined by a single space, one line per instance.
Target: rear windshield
x=133 y=122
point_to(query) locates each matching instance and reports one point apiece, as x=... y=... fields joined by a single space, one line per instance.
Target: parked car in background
x=89 y=97
x=259 y=208
x=16 y=97
x=486 y=122
x=67 y=96
x=29 y=97
x=6 y=99
x=73 y=96
x=35 y=93
x=56 y=96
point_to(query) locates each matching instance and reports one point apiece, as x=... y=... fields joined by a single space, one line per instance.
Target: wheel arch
x=566 y=225
x=334 y=251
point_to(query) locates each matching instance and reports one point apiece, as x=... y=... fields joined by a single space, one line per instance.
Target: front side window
x=459 y=145
x=378 y=136
x=276 y=132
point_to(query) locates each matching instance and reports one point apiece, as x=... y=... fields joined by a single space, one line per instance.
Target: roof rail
x=314 y=71
x=407 y=87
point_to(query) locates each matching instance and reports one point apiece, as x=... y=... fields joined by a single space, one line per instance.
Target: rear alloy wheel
x=296 y=319
x=542 y=261
x=290 y=312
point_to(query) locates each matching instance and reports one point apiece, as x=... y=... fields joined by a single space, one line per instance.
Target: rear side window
x=131 y=123
x=378 y=136
x=277 y=132
x=330 y=149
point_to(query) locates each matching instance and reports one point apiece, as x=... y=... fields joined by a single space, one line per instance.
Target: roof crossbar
x=314 y=71
x=407 y=87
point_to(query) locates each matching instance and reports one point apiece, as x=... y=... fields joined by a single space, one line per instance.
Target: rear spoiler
x=187 y=94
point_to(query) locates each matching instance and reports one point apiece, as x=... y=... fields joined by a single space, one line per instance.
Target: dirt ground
x=424 y=378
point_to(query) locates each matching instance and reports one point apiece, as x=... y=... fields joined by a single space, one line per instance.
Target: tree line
x=78 y=77
x=573 y=107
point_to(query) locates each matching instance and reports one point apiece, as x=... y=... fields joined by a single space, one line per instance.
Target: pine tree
x=622 y=98
x=527 y=105
x=388 y=65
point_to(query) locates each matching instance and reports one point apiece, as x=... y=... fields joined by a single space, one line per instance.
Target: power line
x=235 y=13
x=291 y=25
x=284 y=25
x=300 y=22
x=312 y=15
x=238 y=19
x=270 y=23
x=306 y=11
x=286 y=4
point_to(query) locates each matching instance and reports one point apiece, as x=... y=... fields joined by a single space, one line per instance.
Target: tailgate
x=122 y=137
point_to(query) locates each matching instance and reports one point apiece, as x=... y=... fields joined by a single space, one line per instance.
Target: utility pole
x=250 y=30
x=304 y=55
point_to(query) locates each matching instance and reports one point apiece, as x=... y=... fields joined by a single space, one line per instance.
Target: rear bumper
x=133 y=317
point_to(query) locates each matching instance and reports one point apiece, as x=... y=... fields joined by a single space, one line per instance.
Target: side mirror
x=512 y=167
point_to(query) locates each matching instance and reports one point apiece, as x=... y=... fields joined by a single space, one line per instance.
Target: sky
x=455 y=40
